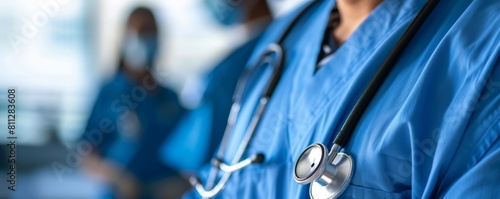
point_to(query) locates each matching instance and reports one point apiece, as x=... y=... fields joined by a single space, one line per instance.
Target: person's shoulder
x=469 y=28
x=240 y=52
x=116 y=81
x=281 y=22
x=480 y=12
x=113 y=84
x=276 y=29
x=477 y=28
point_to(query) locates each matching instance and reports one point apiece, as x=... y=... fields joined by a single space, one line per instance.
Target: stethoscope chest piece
x=340 y=181
x=328 y=179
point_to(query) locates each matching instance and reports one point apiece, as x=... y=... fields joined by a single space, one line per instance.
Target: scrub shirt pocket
x=357 y=191
x=265 y=181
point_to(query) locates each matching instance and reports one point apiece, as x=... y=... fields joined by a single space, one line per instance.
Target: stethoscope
x=329 y=172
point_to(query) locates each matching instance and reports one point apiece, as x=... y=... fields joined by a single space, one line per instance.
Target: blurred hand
x=126 y=185
x=172 y=188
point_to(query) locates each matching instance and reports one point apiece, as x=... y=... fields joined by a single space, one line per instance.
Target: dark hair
x=146 y=17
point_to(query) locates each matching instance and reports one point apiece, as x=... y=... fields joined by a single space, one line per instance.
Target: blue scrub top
x=133 y=119
x=432 y=130
x=200 y=131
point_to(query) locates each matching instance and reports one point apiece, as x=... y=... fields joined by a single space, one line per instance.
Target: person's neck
x=352 y=14
x=258 y=12
x=256 y=26
x=257 y=19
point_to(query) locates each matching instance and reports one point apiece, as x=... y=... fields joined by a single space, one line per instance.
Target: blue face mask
x=139 y=50
x=229 y=12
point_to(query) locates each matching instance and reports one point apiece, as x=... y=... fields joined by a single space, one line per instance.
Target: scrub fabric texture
x=431 y=131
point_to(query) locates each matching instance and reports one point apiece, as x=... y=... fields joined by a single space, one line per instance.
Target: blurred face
x=141 y=43
x=230 y=12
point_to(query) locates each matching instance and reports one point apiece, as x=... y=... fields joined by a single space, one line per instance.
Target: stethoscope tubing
x=256 y=118
x=359 y=108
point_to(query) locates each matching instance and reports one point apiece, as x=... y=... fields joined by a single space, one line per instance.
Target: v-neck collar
x=352 y=65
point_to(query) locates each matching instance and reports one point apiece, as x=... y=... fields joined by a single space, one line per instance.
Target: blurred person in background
x=208 y=119
x=131 y=118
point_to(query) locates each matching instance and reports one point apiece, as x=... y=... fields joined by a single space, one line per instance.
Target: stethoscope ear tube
x=276 y=50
